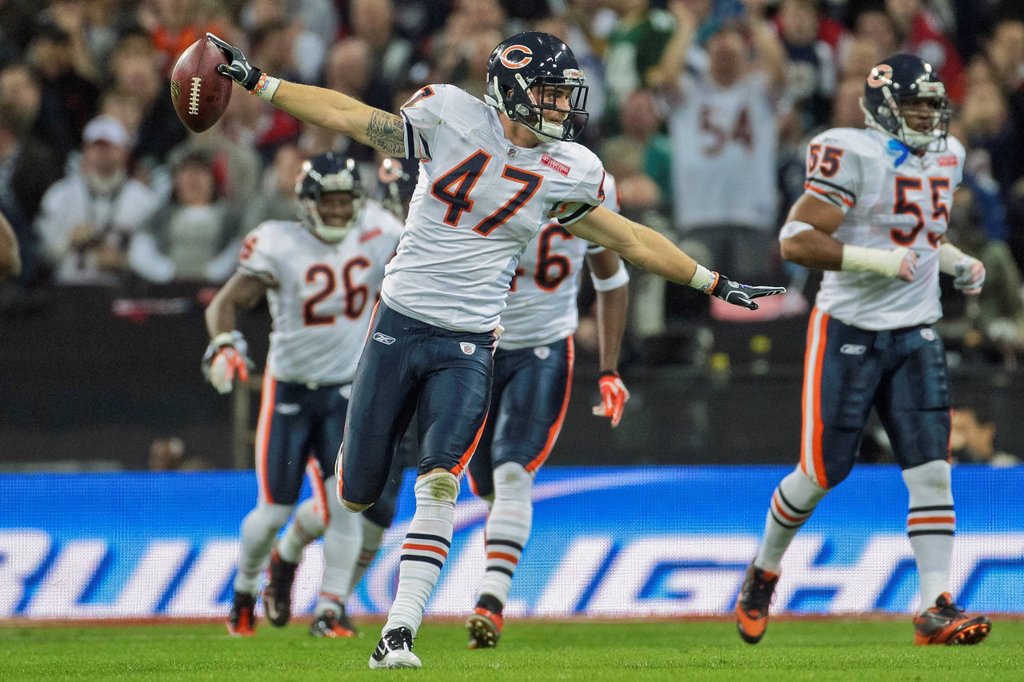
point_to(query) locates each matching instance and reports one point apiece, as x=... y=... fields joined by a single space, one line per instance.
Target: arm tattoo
x=386 y=132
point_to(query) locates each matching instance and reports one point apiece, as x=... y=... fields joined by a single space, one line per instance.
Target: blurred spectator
x=195 y=237
x=470 y=72
x=811 y=64
x=640 y=157
x=920 y=34
x=991 y=324
x=448 y=46
x=875 y=24
x=254 y=124
x=272 y=43
x=857 y=55
x=722 y=126
x=35 y=111
x=172 y=26
x=87 y=219
x=67 y=72
x=989 y=127
x=973 y=437
x=27 y=168
x=1004 y=51
x=374 y=22
x=17 y=21
x=634 y=50
x=276 y=200
x=136 y=74
x=313 y=27
x=349 y=69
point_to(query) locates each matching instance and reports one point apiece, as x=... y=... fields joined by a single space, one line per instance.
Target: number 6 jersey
x=478 y=201
x=891 y=197
x=321 y=295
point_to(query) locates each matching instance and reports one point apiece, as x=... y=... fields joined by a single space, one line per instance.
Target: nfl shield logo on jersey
x=467 y=348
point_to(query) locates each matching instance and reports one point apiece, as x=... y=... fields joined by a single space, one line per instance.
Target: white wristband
x=619 y=279
x=793 y=228
x=703 y=279
x=863 y=259
x=266 y=87
x=949 y=256
x=223 y=339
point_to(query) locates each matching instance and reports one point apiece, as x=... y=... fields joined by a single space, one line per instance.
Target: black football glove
x=742 y=294
x=239 y=69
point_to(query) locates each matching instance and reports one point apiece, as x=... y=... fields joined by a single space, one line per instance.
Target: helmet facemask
x=525 y=104
x=311 y=192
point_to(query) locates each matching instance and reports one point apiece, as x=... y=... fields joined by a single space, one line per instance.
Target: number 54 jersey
x=479 y=199
x=321 y=295
x=891 y=197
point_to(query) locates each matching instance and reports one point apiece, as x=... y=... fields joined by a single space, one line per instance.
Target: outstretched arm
x=319 y=106
x=651 y=251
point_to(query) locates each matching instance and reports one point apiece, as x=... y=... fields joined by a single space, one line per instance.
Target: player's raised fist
x=237 y=67
x=742 y=294
x=199 y=92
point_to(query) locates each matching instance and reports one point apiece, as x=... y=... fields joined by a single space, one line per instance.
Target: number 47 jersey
x=891 y=197
x=478 y=201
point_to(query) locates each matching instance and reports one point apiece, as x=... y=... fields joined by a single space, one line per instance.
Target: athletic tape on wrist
x=223 y=339
x=704 y=279
x=266 y=87
x=620 y=278
x=949 y=256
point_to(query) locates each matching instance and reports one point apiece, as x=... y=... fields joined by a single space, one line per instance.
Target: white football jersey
x=321 y=295
x=541 y=306
x=478 y=201
x=724 y=149
x=891 y=198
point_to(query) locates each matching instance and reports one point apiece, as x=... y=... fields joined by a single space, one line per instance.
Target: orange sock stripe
x=426 y=548
x=931 y=519
x=502 y=555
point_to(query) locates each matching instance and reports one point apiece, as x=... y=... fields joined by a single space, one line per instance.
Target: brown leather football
x=199 y=93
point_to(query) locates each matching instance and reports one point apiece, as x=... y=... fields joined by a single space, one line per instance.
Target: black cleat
x=752 y=603
x=946 y=623
x=331 y=624
x=242 y=618
x=277 y=595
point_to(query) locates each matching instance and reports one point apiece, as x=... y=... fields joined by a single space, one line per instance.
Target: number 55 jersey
x=478 y=201
x=321 y=295
x=891 y=197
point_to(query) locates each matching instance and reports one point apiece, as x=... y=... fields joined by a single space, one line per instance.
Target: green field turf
x=533 y=650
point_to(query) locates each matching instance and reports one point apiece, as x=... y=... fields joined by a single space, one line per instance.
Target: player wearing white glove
x=874 y=217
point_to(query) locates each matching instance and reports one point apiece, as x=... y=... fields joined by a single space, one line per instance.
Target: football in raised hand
x=199 y=93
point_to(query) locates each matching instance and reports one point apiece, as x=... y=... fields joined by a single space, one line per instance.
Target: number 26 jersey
x=891 y=197
x=478 y=201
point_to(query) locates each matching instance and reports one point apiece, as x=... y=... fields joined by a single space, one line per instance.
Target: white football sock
x=259 y=529
x=343 y=539
x=791 y=505
x=508 y=528
x=931 y=522
x=425 y=549
x=306 y=526
x=373 y=535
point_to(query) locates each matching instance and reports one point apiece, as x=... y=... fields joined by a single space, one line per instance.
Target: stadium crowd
x=104 y=186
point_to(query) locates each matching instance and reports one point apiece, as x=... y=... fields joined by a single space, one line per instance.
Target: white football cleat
x=394 y=650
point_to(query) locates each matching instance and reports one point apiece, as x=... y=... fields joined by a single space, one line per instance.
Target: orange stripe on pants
x=556 y=428
x=812 y=461
x=268 y=399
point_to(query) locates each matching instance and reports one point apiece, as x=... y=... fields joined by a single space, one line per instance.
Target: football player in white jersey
x=321 y=276
x=874 y=216
x=533 y=369
x=491 y=174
